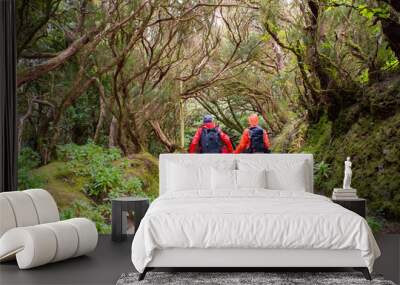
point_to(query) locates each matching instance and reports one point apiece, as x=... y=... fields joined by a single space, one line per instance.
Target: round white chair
x=31 y=231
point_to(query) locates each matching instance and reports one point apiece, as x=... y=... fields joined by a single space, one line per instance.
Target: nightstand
x=357 y=205
x=126 y=215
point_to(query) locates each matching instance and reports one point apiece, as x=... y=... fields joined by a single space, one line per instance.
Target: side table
x=357 y=205
x=126 y=212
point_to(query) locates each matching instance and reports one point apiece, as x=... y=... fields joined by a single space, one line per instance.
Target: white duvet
x=250 y=219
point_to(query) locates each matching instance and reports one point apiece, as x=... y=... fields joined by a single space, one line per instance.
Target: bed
x=247 y=210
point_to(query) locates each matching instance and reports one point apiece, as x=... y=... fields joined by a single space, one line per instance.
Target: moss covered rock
x=90 y=168
x=374 y=146
x=145 y=167
x=58 y=181
x=383 y=98
x=369 y=132
x=66 y=187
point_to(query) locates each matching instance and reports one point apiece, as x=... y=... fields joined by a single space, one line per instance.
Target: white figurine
x=347 y=174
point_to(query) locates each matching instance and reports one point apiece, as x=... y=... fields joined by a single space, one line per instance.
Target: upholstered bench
x=31 y=230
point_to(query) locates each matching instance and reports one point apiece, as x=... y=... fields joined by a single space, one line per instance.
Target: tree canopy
x=138 y=75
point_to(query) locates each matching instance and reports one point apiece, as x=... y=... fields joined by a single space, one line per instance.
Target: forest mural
x=105 y=86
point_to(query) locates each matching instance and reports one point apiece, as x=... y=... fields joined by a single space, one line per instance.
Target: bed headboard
x=183 y=158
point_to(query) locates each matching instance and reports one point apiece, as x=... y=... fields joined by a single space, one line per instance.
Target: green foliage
x=102 y=180
x=375 y=224
x=291 y=138
x=28 y=160
x=321 y=173
x=106 y=175
x=314 y=87
x=155 y=147
x=249 y=47
x=78 y=118
x=386 y=59
x=391 y=64
x=79 y=155
x=134 y=185
x=97 y=163
x=319 y=135
x=99 y=214
x=138 y=177
x=372 y=139
x=131 y=186
x=371 y=12
x=364 y=77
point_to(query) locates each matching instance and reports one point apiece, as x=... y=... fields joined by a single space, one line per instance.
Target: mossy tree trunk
x=391 y=26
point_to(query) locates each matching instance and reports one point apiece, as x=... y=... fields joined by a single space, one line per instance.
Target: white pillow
x=281 y=174
x=251 y=178
x=183 y=177
x=290 y=177
x=203 y=160
x=223 y=179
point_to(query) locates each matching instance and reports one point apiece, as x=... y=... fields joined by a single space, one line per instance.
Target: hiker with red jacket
x=254 y=138
x=210 y=139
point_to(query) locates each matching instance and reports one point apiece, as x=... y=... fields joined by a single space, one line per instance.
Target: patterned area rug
x=243 y=278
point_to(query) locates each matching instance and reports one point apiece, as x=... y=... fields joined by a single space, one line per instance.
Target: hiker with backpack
x=210 y=139
x=254 y=138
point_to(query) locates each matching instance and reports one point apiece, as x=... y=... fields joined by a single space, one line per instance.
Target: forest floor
x=73 y=183
x=64 y=188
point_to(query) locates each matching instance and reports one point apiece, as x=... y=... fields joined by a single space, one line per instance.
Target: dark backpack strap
x=250 y=132
x=201 y=137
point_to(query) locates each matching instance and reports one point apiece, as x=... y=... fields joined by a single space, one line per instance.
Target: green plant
x=102 y=180
x=375 y=224
x=321 y=170
x=28 y=160
x=100 y=215
x=131 y=186
x=364 y=77
x=81 y=157
x=106 y=175
x=321 y=174
x=96 y=163
x=28 y=180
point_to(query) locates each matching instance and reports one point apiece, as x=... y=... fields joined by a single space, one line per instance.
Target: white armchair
x=31 y=230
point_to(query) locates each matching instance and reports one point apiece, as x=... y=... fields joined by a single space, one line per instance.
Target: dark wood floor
x=389 y=263
x=103 y=266
x=110 y=260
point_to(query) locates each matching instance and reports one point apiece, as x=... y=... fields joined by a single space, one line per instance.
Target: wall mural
x=105 y=86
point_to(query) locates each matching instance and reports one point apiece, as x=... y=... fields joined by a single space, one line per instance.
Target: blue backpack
x=256 y=135
x=210 y=140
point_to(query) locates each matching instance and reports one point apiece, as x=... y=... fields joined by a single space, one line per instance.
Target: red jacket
x=224 y=138
x=245 y=141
